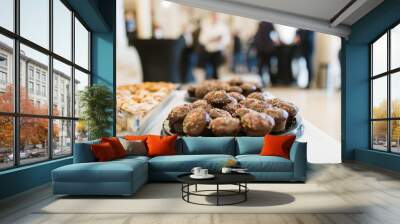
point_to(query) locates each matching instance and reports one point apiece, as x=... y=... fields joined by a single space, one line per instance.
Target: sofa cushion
x=249 y=145
x=277 y=145
x=103 y=152
x=206 y=145
x=185 y=163
x=112 y=171
x=83 y=152
x=257 y=163
x=161 y=145
x=116 y=145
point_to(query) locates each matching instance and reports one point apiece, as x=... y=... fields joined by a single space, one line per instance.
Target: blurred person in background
x=130 y=25
x=265 y=48
x=188 y=54
x=215 y=37
x=237 y=54
x=305 y=44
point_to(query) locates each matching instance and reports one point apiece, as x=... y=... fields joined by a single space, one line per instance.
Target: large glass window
x=34 y=21
x=7 y=14
x=38 y=92
x=62 y=29
x=6 y=142
x=385 y=92
x=6 y=74
x=81 y=45
x=40 y=62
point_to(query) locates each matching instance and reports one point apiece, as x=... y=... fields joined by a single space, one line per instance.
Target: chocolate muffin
x=215 y=113
x=240 y=112
x=255 y=104
x=218 y=85
x=286 y=105
x=280 y=117
x=196 y=122
x=202 y=90
x=234 y=89
x=232 y=107
x=178 y=113
x=201 y=104
x=176 y=116
x=257 y=124
x=235 y=82
x=191 y=91
x=257 y=95
x=239 y=97
x=225 y=126
x=218 y=98
x=248 y=88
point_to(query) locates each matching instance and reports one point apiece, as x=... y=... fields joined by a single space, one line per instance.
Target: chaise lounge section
x=125 y=176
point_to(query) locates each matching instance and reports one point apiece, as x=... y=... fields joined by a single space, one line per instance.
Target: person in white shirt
x=215 y=37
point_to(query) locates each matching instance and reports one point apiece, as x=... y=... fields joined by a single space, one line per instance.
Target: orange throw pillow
x=161 y=145
x=275 y=145
x=103 y=152
x=116 y=145
x=136 y=137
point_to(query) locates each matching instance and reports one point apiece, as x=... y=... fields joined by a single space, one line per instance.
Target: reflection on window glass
x=81 y=131
x=62 y=138
x=33 y=139
x=395 y=136
x=379 y=135
x=6 y=142
x=62 y=89
x=395 y=94
x=6 y=74
x=395 y=47
x=81 y=82
x=62 y=29
x=38 y=101
x=379 y=55
x=7 y=14
x=379 y=97
x=81 y=45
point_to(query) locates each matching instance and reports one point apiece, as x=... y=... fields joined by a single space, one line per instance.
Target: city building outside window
x=39 y=131
x=385 y=91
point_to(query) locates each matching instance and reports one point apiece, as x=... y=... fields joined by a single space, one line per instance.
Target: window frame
x=388 y=74
x=16 y=114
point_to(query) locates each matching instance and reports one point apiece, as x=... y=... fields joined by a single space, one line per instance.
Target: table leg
x=195 y=188
x=245 y=193
x=217 y=194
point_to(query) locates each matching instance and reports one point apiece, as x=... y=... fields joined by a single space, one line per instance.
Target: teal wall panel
x=24 y=178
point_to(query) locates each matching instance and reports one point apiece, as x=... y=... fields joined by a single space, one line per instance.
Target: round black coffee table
x=238 y=179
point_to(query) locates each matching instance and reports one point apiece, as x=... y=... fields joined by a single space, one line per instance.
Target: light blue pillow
x=249 y=145
x=207 y=145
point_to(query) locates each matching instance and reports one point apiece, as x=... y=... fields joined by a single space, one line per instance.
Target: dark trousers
x=214 y=60
x=263 y=60
x=308 y=56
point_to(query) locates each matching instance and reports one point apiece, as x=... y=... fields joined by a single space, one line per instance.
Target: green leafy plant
x=96 y=103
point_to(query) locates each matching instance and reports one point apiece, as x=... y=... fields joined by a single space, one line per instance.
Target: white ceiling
x=321 y=9
x=324 y=16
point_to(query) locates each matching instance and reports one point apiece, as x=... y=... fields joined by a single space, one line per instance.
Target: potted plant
x=96 y=104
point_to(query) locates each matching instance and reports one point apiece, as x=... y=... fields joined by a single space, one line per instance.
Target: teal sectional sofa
x=125 y=176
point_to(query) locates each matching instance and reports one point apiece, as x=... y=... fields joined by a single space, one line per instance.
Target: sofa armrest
x=298 y=155
x=83 y=152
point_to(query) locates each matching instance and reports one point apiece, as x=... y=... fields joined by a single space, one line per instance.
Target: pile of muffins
x=233 y=108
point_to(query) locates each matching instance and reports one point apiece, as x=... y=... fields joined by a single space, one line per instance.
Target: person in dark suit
x=305 y=44
x=264 y=46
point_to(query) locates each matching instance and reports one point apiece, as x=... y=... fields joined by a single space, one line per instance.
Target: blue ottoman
x=119 y=177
